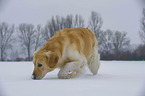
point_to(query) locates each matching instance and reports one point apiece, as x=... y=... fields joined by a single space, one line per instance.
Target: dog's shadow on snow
x=84 y=76
x=50 y=78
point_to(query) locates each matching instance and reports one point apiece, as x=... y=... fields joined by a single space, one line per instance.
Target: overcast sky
x=121 y=15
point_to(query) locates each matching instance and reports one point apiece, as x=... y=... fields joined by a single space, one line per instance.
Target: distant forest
x=113 y=45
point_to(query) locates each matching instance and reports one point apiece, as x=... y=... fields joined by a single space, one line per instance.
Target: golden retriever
x=69 y=50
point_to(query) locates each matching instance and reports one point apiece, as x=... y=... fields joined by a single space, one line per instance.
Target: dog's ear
x=47 y=55
x=52 y=59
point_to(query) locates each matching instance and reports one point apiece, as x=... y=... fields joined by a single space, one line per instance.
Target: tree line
x=113 y=45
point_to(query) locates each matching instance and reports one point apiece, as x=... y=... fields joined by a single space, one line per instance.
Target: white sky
x=121 y=15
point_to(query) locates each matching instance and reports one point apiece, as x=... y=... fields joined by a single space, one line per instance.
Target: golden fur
x=69 y=50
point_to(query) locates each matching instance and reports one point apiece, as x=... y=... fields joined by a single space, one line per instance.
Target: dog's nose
x=33 y=76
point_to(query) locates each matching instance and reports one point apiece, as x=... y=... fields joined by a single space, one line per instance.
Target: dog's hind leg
x=94 y=62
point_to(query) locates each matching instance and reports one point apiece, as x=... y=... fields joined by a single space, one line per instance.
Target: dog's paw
x=64 y=74
x=64 y=77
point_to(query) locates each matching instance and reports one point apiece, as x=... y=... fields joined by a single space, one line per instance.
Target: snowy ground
x=115 y=78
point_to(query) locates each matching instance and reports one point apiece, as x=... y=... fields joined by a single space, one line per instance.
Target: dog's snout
x=33 y=76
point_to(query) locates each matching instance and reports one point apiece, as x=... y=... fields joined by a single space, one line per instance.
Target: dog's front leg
x=71 y=70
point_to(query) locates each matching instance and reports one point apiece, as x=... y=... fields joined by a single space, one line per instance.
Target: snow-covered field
x=115 y=78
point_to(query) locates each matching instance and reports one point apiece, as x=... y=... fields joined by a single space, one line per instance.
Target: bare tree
x=113 y=44
x=14 y=55
x=38 y=37
x=139 y=52
x=142 y=31
x=52 y=26
x=120 y=41
x=45 y=33
x=69 y=22
x=27 y=37
x=79 y=21
x=55 y=24
x=58 y=23
x=106 y=42
x=6 y=39
x=95 y=23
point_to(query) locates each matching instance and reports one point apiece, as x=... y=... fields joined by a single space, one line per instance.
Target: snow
x=115 y=78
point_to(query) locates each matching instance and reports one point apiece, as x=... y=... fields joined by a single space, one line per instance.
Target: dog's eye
x=39 y=65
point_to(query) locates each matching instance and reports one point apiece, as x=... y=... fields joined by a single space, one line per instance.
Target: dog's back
x=81 y=39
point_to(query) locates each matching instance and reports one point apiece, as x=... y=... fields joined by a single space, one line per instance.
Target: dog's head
x=44 y=62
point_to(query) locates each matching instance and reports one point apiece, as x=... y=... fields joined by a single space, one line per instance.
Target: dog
x=69 y=50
